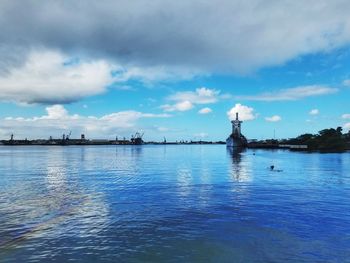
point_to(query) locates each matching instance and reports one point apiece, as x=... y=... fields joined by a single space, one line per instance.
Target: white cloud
x=154 y=74
x=58 y=121
x=245 y=113
x=346 y=116
x=180 y=106
x=274 y=118
x=347 y=126
x=314 y=112
x=56 y=112
x=205 y=110
x=201 y=135
x=49 y=76
x=229 y=35
x=292 y=93
x=346 y=82
x=199 y=96
x=162 y=129
x=186 y=100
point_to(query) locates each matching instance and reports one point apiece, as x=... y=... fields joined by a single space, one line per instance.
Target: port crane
x=137 y=138
x=68 y=136
x=64 y=137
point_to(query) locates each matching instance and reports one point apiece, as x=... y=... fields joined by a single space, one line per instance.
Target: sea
x=172 y=203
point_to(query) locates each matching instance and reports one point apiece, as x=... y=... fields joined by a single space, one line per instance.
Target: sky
x=173 y=69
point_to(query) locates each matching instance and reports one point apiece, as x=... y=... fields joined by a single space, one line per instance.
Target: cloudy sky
x=174 y=69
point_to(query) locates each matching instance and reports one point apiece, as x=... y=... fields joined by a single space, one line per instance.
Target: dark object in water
x=272 y=168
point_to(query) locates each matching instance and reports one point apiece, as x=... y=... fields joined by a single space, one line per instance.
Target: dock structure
x=66 y=140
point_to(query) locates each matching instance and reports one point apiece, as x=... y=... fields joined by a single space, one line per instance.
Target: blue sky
x=286 y=71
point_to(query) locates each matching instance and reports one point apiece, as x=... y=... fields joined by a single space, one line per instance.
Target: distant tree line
x=328 y=140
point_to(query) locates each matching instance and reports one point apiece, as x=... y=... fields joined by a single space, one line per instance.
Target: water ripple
x=172 y=203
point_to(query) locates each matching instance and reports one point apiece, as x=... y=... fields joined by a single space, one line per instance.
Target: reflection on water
x=56 y=177
x=184 y=178
x=239 y=170
x=172 y=203
x=45 y=205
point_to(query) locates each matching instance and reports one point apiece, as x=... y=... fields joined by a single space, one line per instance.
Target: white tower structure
x=236 y=127
x=236 y=139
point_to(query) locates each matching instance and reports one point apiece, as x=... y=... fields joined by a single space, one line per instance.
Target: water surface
x=197 y=203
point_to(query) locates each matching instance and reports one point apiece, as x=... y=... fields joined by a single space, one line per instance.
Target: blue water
x=172 y=204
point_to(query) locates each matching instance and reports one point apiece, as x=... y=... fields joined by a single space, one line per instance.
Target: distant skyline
x=174 y=69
